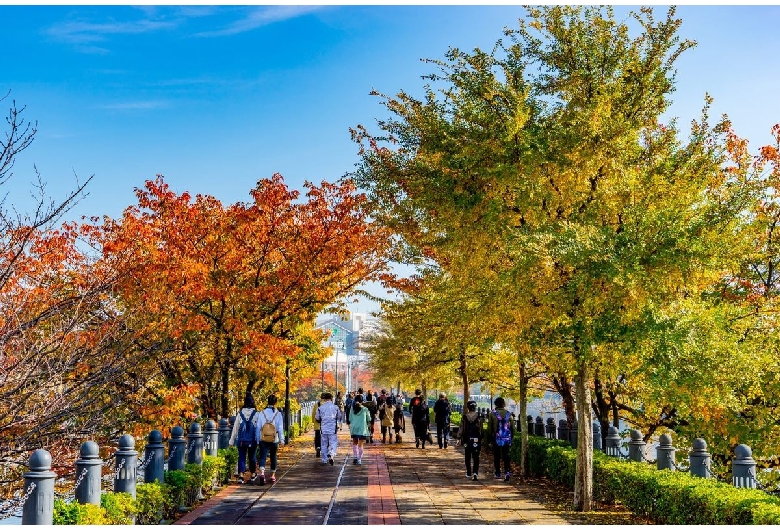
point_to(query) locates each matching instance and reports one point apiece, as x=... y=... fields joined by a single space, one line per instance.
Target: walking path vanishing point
x=397 y=484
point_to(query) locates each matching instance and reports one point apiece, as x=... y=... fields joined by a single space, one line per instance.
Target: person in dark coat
x=418 y=408
x=441 y=415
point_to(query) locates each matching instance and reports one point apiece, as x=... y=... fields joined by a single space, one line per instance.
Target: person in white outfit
x=272 y=416
x=329 y=415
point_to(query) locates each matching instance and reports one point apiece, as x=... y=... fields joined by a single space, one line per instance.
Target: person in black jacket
x=470 y=436
x=418 y=408
x=441 y=413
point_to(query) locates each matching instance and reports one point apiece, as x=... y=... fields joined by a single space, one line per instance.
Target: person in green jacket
x=359 y=419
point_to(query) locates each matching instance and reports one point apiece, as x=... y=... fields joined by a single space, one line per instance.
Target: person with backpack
x=270 y=433
x=441 y=415
x=243 y=437
x=329 y=416
x=470 y=437
x=358 y=428
x=501 y=430
x=386 y=420
x=399 y=422
x=418 y=408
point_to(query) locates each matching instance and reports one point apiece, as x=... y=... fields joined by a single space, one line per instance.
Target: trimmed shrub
x=152 y=503
x=119 y=507
x=73 y=513
x=666 y=497
x=230 y=456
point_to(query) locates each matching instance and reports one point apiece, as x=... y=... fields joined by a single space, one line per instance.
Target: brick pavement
x=397 y=484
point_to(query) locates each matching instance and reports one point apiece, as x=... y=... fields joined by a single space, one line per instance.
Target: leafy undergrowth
x=559 y=499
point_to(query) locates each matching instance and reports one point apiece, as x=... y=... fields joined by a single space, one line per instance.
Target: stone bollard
x=563 y=430
x=154 y=456
x=664 y=453
x=596 y=436
x=539 y=426
x=530 y=420
x=743 y=467
x=700 y=459
x=177 y=447
x=38 y=506
x=88 y=473
x=613 y=442
x=636 y=446
x=224 y=433
x=126 y=462
x=210 y=438
x=573 y=434
x=549 y=428
x=195 y=444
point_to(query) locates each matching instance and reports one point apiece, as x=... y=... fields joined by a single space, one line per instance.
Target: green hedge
x=666 y=497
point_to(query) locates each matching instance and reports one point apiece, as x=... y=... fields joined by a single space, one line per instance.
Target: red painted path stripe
x=381 y=499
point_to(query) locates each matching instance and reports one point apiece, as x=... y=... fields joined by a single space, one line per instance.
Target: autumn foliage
x=228 y=293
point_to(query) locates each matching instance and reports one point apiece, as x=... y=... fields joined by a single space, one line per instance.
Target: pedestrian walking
x=418 y=408
x=358 y=428
x=329 y=415
x=386 y=421
x=470 y=437
x=348 y=405
x=441 y=415
x=243 y=437
x=317 y=433
x=501 y=430
x=399 y=422
x=371 y=404
x=270 y=434
x=339 y=401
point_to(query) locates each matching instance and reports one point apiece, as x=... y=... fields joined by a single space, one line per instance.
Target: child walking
x=359 y=419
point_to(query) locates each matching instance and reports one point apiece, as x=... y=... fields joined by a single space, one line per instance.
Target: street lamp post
x=287 y=401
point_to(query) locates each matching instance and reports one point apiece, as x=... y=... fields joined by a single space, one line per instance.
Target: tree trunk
x=583 y=481
x=562 y=386
x=521 y=416
x=464 y=376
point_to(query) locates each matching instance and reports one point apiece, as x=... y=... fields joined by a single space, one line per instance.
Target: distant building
x=346 y=337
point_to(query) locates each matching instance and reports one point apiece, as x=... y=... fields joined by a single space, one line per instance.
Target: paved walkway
x=397 y=484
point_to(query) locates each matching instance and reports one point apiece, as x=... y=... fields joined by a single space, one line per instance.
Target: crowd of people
x=258 y=433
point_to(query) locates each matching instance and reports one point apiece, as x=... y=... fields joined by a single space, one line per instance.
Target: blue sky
x=218 y=97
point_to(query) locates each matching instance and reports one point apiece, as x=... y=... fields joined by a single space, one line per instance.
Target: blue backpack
x=246 y=434
x=504 y=431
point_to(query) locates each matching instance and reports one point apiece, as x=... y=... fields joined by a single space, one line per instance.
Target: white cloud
x=88 y=32
x=259 y=16
x=135 y=105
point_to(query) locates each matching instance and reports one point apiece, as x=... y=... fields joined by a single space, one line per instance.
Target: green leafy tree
x=551 y=147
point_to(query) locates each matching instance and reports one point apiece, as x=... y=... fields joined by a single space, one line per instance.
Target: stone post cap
x=195 y=428
x=89 y=450
x=177 y=432
x=155 y=437
x=743 y=453
x=40 y=460
x=636 y=435
x=665 y=441
x=126 y=442
x=699 y=445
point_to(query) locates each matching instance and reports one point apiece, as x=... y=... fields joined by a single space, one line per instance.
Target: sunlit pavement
x=397 y=484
